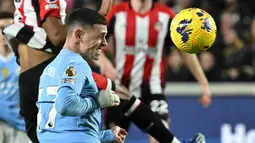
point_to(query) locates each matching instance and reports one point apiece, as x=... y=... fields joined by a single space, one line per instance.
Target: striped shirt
x=27 y=28
x=139 y=40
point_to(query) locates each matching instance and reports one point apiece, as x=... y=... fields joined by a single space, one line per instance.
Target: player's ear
x=78 y=35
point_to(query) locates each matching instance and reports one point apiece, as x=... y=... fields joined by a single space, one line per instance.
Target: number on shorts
x=159 y=106
x=51 y=91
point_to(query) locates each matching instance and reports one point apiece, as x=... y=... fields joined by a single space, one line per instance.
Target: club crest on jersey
x=70 y=71
x=4 y=72
x=51 y=1
x=158 y=26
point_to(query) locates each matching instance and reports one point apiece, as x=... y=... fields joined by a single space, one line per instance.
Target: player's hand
x=120 y=134
x=206 y=97
x=105 y=7
x=108 y=98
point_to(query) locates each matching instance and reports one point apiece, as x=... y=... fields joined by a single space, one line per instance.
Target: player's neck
x=141 y=6
x=5 y=52
x=70 y=46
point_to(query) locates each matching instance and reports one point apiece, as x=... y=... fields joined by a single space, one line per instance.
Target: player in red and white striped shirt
x=140 y=31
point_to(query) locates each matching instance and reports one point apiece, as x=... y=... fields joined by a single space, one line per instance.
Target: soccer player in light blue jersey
x=69 y=101
x=12 y=125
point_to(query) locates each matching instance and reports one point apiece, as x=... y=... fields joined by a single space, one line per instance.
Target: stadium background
x=229 y=66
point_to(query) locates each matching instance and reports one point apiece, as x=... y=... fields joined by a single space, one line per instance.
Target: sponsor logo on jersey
x=68 y=80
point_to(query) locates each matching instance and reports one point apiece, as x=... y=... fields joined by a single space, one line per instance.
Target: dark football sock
x=142 y=116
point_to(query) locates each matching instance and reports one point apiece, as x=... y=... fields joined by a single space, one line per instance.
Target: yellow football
x=193 y=30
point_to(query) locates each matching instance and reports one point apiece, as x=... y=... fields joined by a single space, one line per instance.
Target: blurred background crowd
x=231 y=57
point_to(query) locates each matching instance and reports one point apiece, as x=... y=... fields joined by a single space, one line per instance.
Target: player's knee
x=160 y=107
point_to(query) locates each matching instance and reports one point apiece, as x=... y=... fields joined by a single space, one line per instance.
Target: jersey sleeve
x=73 y=76
x=49 y=8
x=107 y=136
x=70 y=104
x=103 y=82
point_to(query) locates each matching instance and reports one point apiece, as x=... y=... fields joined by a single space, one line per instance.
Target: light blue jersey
x=9 y=92
x=60 y=119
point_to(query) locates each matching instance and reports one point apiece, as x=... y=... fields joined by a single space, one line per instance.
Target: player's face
x=95 y=41
x=3 y=23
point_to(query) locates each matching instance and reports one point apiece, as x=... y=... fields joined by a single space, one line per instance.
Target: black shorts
x=157 y=103
x=28 y=87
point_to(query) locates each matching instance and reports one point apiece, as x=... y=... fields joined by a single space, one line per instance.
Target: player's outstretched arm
x=51 y=21
x=193 y=64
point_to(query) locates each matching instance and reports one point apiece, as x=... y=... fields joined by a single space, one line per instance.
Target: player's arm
x=52 y=23
x=68 y=101
x=105 y=7
x=55 y=30
x=194 y=66
x=192 y=62
x=107 y=136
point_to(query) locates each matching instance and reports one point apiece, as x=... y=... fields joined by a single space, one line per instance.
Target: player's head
x=87 y=29
x=6 y=18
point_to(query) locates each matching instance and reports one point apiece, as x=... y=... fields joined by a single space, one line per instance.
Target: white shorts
x=9 y=134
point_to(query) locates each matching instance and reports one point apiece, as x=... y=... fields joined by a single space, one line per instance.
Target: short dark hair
x=84 y=17
x=6 y=15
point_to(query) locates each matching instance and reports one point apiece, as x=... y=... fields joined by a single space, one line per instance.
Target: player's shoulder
x=77 y=64
x=165 y=9
x=122 y=6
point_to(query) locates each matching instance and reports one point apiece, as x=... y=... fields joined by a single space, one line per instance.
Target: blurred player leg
x=158 y=105
x=144 y=118
x=152 y=139
x=115 y=116
x=9 y=134
x=21 y=137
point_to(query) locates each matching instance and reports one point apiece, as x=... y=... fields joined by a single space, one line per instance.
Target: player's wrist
x=111 y=134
